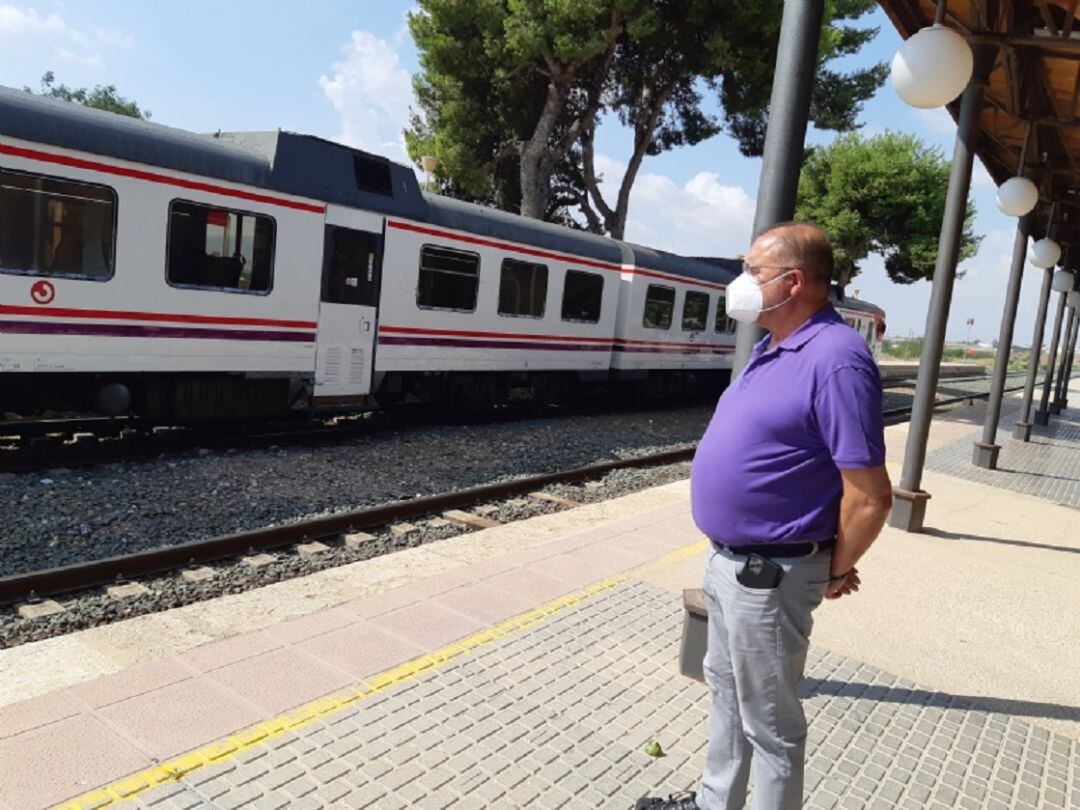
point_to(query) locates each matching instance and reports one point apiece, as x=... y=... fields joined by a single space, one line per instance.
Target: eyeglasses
x=752 y=269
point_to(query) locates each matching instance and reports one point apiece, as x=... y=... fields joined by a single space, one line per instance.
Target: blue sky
x=341 y=69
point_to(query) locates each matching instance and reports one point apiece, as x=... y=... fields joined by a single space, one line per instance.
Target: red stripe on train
x=154 y=177
x=161 y=317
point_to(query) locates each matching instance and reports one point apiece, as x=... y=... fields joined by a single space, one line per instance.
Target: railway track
x=73 y=443
x=31 y=587
x=34 y=445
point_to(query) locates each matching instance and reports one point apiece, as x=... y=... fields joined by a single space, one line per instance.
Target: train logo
x=43 y=292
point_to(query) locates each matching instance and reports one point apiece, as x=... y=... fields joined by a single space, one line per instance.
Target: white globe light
x=1073 y=299
x=1017 y=196
x=1062 y=281
x=932 y=67
x=1044 y=253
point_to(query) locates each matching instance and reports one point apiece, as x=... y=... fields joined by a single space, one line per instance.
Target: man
x=789 y=484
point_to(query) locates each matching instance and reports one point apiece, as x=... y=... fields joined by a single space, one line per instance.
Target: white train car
x=672 y=317
x=483 y=305
x=182 y=277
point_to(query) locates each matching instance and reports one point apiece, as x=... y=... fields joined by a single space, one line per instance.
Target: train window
x=695 y=311
x=723 y=323
x=55 y=227
x=448 y=279
x=522 y=289
x=583 y=294
x=351 y=272
x=219 y=249
x=659 y=304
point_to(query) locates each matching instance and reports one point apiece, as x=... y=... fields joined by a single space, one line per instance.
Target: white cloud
x=30 y=28
x=372 y=93
x=18 y=22
x=702 y=217
x=980 y=177
x=937 y=120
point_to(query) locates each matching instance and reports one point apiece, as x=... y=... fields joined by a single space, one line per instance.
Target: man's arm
x=864 y=507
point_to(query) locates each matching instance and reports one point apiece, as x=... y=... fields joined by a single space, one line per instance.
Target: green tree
x=884 y=195
x=510 y=91
x=102 y=97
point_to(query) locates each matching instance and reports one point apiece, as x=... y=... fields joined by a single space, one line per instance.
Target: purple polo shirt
x=768 y=467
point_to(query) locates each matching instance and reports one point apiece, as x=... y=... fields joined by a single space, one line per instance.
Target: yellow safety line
x=224 y=750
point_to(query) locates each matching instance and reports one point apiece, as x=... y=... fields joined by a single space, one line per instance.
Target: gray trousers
x=755 y=659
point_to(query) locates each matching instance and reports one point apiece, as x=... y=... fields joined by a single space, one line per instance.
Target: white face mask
x=745 y=299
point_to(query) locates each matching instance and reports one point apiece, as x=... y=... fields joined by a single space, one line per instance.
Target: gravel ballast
x=64 y=516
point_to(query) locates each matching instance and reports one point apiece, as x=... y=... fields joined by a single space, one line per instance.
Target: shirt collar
x=802 y=335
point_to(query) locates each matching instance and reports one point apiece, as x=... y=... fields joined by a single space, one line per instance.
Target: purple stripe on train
x=466 y=343
x=135 y=330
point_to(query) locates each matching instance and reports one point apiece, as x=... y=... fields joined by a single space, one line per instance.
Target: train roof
x=847 y=302
x=497 y=224
x=37 y=118
x=715 y=271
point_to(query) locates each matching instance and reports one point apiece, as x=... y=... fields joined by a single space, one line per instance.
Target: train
x=180 y=277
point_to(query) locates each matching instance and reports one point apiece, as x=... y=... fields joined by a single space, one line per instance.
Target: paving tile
x=486 y=604
x=280 y=679
x=361 y=649
x=573 y=571
x=376 y=604
x=315 y=624
x=536 y=587
x=180 y=717
x=15 y=718
x=230 y=650
x=127 y=683
x=428 y=625
x=56 y=762
x=441 y=583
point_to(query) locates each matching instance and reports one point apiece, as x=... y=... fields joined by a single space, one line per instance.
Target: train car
x=865 y=318
x=184 y=277
x=673 y=332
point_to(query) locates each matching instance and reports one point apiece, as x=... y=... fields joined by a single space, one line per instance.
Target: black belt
x=779 y=549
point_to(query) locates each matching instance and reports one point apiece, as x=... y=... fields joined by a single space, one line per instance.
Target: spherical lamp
x=1045 y=253
x=1073 y=299
x=932 y=67
x=1062 y=281
x=1017 y=196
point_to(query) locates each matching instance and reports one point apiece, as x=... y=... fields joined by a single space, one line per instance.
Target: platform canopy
x=1035 y=81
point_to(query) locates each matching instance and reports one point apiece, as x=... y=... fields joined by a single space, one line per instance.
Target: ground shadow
x=1071 y=479
x=981 y=538
x=941 y=700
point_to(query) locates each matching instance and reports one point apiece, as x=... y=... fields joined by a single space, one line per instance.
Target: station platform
x=892 y=370
x=528 y=665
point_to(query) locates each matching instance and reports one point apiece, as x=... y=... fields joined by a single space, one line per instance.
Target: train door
x=348 y=304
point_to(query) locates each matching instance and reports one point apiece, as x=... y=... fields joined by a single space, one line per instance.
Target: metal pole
x=1070 y=355
x=1072 y=360
x=1042 y=414
x=1055 y=406
x=986 y=451
x=909 y=503
x=789 y=111
x=1022 y=430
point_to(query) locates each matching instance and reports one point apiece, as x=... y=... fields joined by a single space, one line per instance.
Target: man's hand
x=842 y=587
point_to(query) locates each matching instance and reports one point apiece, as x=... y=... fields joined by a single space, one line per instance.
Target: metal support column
x=909 y=502
x=986 y=451
x=1022 y=430
x=1042 y=414
x=789 y=111
x=1059 y=391
x=1070 y=358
